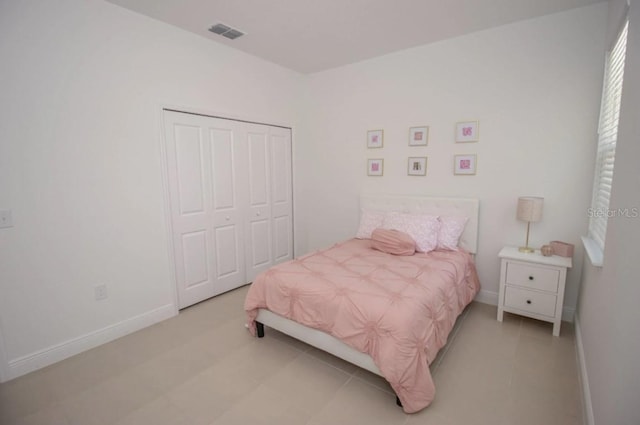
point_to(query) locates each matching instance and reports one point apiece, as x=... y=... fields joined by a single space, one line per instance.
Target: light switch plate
x=5 y=218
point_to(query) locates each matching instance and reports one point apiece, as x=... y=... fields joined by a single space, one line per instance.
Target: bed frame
x=464 y=207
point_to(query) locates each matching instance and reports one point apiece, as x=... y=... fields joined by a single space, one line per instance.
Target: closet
x=230 y=198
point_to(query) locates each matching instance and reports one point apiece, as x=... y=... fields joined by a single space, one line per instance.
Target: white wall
x=535 y=88
x=608 y=312
x=82 y=83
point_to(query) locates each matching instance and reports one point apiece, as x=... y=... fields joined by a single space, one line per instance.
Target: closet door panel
x=187 y=152
x=224 y=163
x=282 y=239
x=189 y=169
x=195 y=251
x=230 y=199
x=259 y=238
x=260 y=252
x=227 y=205
x=281 y=184
x=257 y=142
x=227 y=260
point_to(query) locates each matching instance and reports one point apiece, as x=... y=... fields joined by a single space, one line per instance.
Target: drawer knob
x=528 y=301
x=530 y=277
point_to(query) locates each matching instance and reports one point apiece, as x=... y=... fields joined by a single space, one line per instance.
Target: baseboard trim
x=487 y=297
x=584 y=380
x=39 y=359
x=568 y=314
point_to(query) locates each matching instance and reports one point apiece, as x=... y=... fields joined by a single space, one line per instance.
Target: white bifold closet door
x=230 y=196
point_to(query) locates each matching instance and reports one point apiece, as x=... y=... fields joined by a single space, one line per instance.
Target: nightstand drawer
x=541 y=278
x=533 y=302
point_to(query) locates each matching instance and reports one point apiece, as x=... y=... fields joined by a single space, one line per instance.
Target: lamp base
x=526 y=249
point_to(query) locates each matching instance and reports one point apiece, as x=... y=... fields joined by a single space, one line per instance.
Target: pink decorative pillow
x=392 y=242
x=451 y=229
x=369 y=221
x=422 y=228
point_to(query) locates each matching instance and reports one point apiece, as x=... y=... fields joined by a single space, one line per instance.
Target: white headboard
x=459 y=207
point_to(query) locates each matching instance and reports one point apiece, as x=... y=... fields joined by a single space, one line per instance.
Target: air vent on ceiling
x=226 y=31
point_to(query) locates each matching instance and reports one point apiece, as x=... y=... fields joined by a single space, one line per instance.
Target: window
x=607 y=138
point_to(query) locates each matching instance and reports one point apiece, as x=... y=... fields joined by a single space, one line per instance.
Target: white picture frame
x=375 y=139
x=467 y=131
x=417 y=166
x=375 y=167
x=419 y=136
x=465 y=165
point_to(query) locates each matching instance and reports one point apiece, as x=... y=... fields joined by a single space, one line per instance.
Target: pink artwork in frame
x=375 y=138
x=464 y=164
x=418 y=136
x=375 y=167
x=467 y=131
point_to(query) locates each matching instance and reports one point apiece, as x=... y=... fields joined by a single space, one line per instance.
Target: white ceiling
x=314 y=35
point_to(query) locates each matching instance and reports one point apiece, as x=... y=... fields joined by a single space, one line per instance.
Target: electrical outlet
x=101 y=292
x=5 y=218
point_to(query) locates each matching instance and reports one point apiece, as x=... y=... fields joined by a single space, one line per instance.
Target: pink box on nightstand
x=562 y=249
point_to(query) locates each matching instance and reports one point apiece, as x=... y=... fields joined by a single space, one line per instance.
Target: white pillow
x=422 y=228
x=369 y=221
x=451 y=229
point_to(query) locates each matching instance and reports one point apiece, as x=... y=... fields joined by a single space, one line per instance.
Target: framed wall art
x=417 y=166
x=375 y=138
x=464 y=165
x=467 y=131
x=418 y=136
x=375 y=167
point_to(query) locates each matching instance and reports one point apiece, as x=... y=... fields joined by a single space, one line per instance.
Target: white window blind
x=607 y=138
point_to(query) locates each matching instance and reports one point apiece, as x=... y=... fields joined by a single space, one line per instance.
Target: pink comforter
x=397 y=309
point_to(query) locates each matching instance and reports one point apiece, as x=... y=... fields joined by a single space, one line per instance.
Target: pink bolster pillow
x=392 y=242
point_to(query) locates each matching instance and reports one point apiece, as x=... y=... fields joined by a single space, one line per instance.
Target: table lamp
x=529 y=210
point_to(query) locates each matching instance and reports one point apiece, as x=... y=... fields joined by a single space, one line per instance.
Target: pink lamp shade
x=530 y=208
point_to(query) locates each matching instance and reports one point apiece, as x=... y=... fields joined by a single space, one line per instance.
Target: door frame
x=165 y=183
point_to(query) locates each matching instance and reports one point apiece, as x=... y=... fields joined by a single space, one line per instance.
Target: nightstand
x=532 y=285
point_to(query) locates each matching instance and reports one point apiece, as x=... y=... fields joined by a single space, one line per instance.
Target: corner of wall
x=587 y=408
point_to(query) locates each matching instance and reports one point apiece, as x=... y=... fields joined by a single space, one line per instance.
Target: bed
x=388 y=314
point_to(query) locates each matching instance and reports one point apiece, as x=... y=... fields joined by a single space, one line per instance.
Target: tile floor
x=203 y=368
